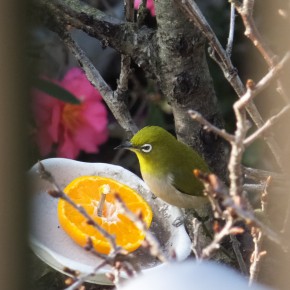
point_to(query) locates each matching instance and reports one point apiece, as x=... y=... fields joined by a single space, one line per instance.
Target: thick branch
x=186 y=82
x=125 y=37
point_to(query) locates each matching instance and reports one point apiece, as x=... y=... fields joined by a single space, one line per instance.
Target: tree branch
x=251 y=31
x=268 y=125
x=209 y=127
x=231 y=31
x=186 y=82
x=192 y=11
x=114 y=101
x=125 y=37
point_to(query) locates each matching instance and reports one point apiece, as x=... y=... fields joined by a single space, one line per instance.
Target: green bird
x=167 y=167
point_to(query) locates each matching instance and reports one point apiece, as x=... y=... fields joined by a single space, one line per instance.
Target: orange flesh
x=86 y=191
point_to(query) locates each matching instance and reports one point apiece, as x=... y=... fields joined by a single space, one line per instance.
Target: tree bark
x=184 y=79
x=174 y=54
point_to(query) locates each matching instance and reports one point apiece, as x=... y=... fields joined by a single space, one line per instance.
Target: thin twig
x=80 y=280
x=253 y=90
x=196 y=232
x=116 y=105
x=218 y=237
x=240 y=259
x=268 y=124
x=192 y=11
x=256 y=255
x=58 y=193
x=209 y=127
x=259 y=174
x=122 y=87
x=249 y=217
x=231 y=31
x=238 y=146
x=251 y=31
x=258 y=238
x=155 y=248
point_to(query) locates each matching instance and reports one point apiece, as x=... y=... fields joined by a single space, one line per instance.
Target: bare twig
x=209 y=127
x=81 y=279
x=258 y=238
x=249 y=217
x=196 y=232
x=259 y=174
x=231 y=31
x=116 y=104
x=256 y=255
x=122 y=87
x=253 y=90
x=155 y=248
x=240 y=259
x=58 y=193
x=124 y=75
x=218 y=237
x=118 y=257
x=268 y=124
x=233 y=207
x=193 y=13
x=251 y=31
x=238 y=146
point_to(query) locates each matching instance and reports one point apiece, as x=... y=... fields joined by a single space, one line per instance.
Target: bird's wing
x=186 y=183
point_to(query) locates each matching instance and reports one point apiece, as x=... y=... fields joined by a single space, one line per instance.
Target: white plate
x=51 y=244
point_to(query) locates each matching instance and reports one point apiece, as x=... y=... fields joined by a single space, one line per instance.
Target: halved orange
x=86 y=191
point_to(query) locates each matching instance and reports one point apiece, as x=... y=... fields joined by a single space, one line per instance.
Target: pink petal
x=96 y=115
x=86 y=139
x=43 y=141
x=150 y=6
x=66 y=147
x=54 y=126
x=77 y=83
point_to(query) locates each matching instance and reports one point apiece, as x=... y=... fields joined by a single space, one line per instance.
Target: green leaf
x=55 y=91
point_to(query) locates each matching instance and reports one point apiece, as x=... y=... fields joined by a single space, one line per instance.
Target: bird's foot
x=153 y=196
x=178 y=221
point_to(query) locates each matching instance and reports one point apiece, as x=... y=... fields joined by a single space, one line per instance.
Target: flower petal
x=67 y=148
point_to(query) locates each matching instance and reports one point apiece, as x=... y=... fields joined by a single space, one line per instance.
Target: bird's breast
x=162 y=188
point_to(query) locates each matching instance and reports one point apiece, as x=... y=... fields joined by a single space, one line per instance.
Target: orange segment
x=86 y=191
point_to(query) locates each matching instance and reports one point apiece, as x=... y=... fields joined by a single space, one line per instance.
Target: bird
x=167 y=165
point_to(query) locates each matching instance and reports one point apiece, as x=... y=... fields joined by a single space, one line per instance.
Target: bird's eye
x=146 y=148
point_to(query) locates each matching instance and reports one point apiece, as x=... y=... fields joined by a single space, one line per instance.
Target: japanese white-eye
x=167 y=167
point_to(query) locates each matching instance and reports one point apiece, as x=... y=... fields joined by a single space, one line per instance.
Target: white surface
x=191 y=275
x=54 y=246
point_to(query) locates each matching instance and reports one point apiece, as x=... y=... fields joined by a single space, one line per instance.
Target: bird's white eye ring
x=146 y=148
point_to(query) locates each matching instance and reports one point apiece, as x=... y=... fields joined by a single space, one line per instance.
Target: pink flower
x=71 y=127
x=150 y=6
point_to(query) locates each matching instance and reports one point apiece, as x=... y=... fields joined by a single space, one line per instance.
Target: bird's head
x=151 y=142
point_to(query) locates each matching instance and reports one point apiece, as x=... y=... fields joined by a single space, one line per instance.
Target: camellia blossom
x=71 y=127
x=150 y=6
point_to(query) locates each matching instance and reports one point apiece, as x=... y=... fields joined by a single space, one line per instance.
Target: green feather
x=169 y=158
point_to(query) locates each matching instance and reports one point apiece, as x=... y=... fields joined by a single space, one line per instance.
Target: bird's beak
x=125 y=145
